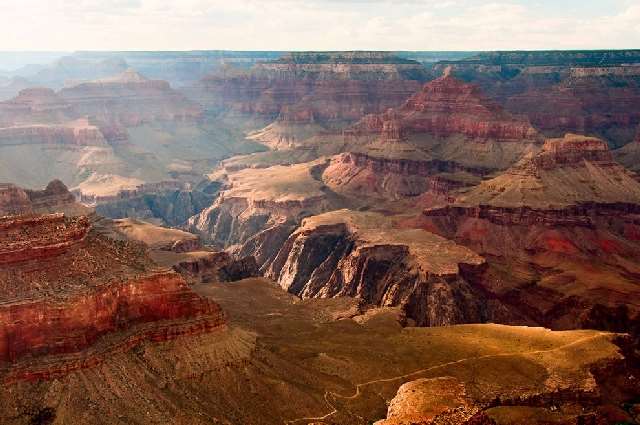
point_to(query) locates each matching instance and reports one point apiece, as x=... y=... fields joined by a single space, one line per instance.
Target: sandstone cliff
x=451 y=121
x=262 y=203
x=347 y=253
x=548 y=226
x=66 y=288
x=336 y=86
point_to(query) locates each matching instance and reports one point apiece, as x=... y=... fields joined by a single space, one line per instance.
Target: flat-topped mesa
x=341 y=65
x=363 y=255
x=340 y=87
x=74 y=133
x=129 y=99
x=572 y=149
x=447 y=107
x=262 y=200
x=70 y=295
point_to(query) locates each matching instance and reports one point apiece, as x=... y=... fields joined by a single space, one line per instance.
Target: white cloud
x=310 y=24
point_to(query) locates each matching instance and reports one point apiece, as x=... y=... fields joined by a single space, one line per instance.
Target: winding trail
x=334 y=410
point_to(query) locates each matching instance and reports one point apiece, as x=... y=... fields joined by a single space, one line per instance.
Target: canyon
x=322 y=238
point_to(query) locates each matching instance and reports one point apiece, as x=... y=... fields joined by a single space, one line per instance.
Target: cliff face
x=66 y=288
x=129 y=100
x=262 y=200
x=581 y=92
x=336 y=87
x=591 y=101
x=548 y=227
x=567 y=171
x=172 y=205
x=446 y=107
x=346 y=253
x=76 y=134
x=391 y=178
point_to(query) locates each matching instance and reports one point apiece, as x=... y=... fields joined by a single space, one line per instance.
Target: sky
x=67 y=25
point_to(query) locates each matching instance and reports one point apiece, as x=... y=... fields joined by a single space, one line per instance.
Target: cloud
x=318 y=24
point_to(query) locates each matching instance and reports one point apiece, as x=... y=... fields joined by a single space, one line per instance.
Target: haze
x=318 y=25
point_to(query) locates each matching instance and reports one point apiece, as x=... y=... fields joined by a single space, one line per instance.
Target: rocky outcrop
x=366 y=174
x=346 y=253
x=262 y=200
x=216 y=267
x=53 y=199
x=547 y=226
x=172 y=205
x=66 y=289
x=568 y=171
x=130 y=99
x=446 y=107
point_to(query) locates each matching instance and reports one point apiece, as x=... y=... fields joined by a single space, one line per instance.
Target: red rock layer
x=67 y=289
x=447 y=107
x=572 y=150
x=48 y=236
x=574 y=267
x=331 y=100
x=606 y=105
x=42 y=327
x=388 y=177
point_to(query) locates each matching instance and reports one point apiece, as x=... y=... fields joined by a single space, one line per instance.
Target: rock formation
x=336 y=86
x=66 y=289
x=346 y=253
x=548 y=226
x=446 y=107
x=53 y=199
x=129 y=99
x=260 y=204
x=394 y=174
x=567 y=171
x=451 y=121
x=581 y=92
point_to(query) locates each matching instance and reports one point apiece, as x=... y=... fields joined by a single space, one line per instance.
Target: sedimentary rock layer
x=347 y=253
x=66 y=287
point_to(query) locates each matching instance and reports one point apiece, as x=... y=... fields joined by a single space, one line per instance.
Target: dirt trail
x=429 y=369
